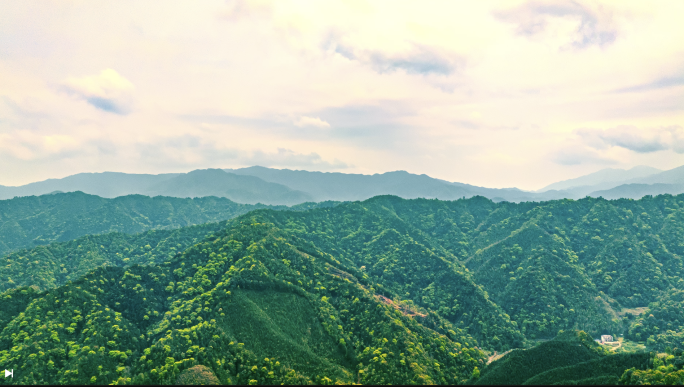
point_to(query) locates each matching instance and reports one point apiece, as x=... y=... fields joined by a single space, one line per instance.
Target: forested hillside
x=39 y=220
x=549 y=266
x=472 y=272
x=251 y=304
x=569 y=359
x=46 y=267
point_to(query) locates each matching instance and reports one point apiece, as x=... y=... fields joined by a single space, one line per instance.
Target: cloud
x=29 y=110
x=224 y=119
x=634 y=139
x=660 y=83
x=374 y=124
x=107 y=91
x=421 y=59
x=579 y=155
x=242 y=9
x=593 y=146
x=305 y=121
x=381 y=124
x=370 y=113
x=288 y=158
x=466 y=124
x=28 y=146
x=189 y=151
x=535 y=17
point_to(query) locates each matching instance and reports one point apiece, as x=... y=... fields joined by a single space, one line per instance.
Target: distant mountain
x=349 y=187
x=199 y=183
x=105 y=184
x=269 y=186
x=603 y=179
x=637 y=191
x=612 y=183
x=215 y=182
x=672 y=176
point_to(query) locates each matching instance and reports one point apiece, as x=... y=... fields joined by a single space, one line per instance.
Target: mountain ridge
x=39 y=220
x=256 y=184
x=603 y=177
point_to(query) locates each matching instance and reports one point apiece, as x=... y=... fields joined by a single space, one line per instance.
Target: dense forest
x=382 y=291
x=252 y=304
x=573 y=358
x=31 y=221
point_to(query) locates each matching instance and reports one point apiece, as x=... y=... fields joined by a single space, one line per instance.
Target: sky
x=490 y=93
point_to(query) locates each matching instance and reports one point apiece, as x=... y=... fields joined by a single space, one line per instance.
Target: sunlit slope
x=663 y=324
x=53 y=265
x=249 y=303
x=14 y=302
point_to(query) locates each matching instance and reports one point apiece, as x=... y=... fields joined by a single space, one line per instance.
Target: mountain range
x=386 y=290
x=254 y=185
x=521 y=269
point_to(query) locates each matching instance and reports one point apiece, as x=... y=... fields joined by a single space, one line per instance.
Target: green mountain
x=520 y=365
x=32 y=221
x=570 y=358
x=662 y=326
x=605 y=370
x=501 y=271
x=250 y=304
x=449 y=277
x=549 y=266
x=47 y=267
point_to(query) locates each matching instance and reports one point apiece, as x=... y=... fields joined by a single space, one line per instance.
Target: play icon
x=9 y=373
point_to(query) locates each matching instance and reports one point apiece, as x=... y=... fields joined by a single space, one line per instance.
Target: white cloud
x=635 y=139
x=316 y=122
x=579 y=155
x=29 y=146
x=286 y=158
x=432 y=87
x=107 y=91
x=190 y=152
x=578 y=24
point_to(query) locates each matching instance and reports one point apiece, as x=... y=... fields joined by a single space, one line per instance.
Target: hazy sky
x=491 y=93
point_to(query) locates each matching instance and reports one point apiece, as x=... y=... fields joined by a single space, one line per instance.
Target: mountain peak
x=603 y=177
